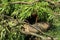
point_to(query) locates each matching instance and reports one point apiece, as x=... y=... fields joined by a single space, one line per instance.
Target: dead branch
x=53 y=3
x=18 y=2
x=30 y=33
x=37 y=35
x=11 y=18
x=21 y=2
x=39 y=30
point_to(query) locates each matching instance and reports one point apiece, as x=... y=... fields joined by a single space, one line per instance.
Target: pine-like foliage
x=47 y=11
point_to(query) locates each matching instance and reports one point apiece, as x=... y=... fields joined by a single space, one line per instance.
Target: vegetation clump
x=14 y=13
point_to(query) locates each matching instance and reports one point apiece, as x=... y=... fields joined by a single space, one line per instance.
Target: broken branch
x=20 y=2
x=39 y=36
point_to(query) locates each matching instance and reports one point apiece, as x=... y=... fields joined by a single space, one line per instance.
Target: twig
x=18 y=2
x=53 y=3
x=21 y=2
x=9 y=17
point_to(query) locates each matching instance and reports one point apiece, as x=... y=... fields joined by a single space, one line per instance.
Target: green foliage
x=23 y=11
